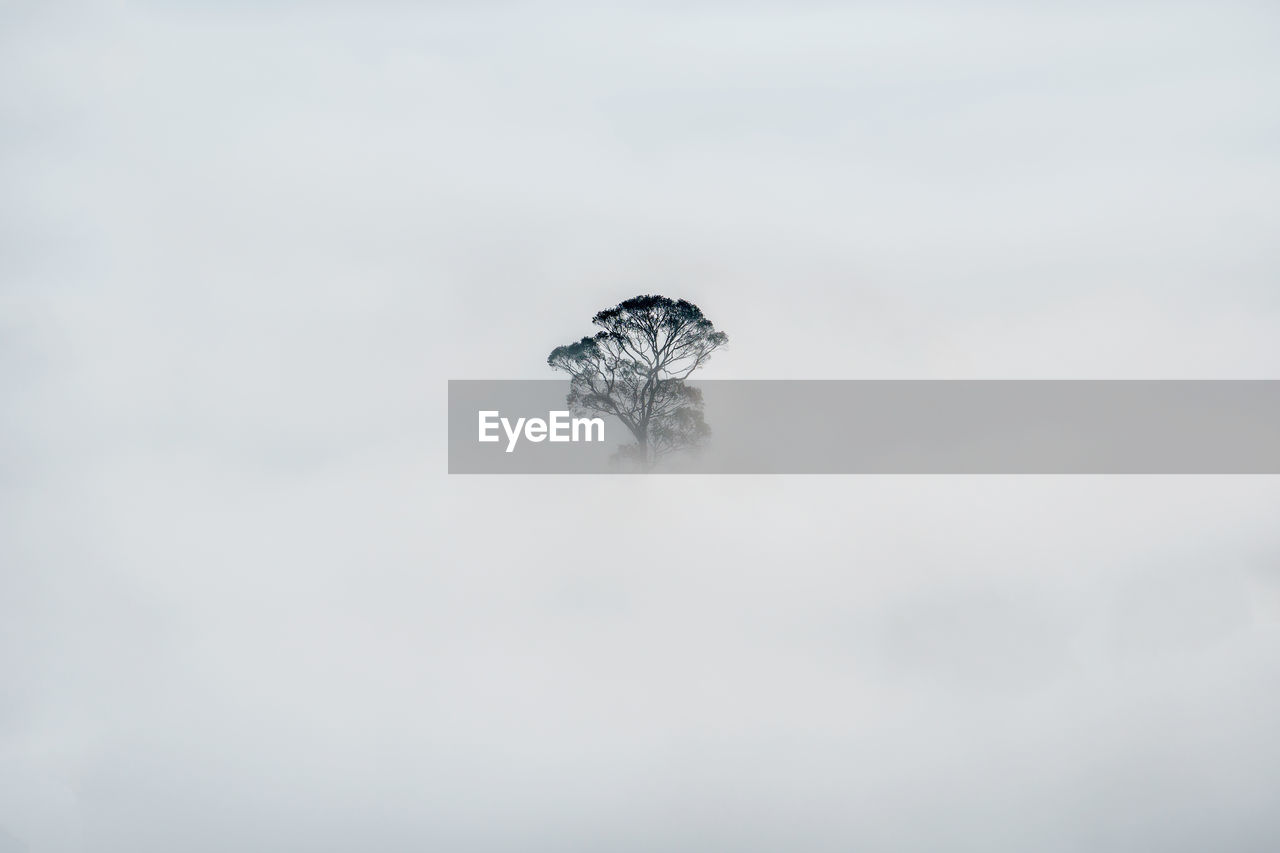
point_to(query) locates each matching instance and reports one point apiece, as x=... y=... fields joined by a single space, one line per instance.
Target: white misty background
x=245 y=244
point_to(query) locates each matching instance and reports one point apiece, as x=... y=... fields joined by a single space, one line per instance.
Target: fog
x=243 y=607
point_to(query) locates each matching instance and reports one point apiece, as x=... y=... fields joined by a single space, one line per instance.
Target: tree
x=635 y=369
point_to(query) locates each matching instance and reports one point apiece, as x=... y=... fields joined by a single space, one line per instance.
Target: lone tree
x=635 y=370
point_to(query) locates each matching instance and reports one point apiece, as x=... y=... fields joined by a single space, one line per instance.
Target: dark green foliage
x=635 y=370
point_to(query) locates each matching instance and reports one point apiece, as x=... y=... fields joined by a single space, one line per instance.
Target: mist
x=243 y=606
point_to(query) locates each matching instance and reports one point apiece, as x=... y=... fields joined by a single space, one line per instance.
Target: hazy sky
x=243 y=245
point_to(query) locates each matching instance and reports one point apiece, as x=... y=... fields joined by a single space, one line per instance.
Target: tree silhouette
x=635 y=370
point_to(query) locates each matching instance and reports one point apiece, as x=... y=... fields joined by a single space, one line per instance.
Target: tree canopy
x=635 y=369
